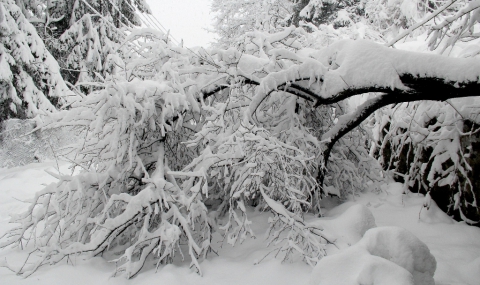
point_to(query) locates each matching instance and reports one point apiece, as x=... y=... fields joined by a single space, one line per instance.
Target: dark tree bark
x=296 y=11
x=433 y=89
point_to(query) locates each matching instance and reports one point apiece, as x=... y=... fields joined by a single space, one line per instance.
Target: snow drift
x=385 y=255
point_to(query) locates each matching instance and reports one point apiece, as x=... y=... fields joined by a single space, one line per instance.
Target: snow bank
x=385 y=255
x=456 y=246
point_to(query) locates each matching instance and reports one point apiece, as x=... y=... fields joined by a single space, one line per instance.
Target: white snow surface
x=384 y=238
x=385 y=255
x=348 y=61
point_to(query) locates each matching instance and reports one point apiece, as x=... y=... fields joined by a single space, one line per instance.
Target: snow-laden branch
x=128 y=199
x=349 y=68
x=421 y=23
x=456 y=27
x=432 y=89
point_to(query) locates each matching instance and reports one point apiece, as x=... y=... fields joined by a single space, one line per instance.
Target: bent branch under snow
x=349 y=68
x=433 y=89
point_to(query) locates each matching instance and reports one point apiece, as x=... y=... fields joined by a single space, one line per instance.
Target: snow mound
x=402 y=248
x=348 y=224
x=394 y=188
x=359 y=219
x=385 y=255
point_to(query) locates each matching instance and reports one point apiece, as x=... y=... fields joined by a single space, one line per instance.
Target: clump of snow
x=385 y=255
x=357 y=266
x=364 y=63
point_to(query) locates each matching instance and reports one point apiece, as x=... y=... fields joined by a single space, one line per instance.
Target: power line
x=120 y=12
x=155 y=18
x=111 y=24
x=153 y=22
x=146 y=17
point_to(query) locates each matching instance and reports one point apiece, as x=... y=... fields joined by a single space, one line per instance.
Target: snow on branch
x=348 y=68
x=170 y=131
x=455 y=27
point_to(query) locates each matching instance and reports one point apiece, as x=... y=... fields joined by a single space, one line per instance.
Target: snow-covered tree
x=30 y=78
x=245 y=115
x=338 y=13
x=430 y=147
x=235 y=18
x=82 y=34
x=79 y=34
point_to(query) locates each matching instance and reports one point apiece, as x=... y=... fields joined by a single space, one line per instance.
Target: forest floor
x=455 y=245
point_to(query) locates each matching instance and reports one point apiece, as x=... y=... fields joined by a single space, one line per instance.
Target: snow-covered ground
x=455 y=246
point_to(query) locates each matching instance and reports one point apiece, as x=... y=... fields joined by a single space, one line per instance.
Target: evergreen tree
x=82 y=34
x=30 y=78
x=339 y=13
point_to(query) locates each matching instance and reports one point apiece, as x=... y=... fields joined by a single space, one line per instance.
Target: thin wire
x=154 y=21
x=118 y=9
x=144 y=19
x=155 y=18
x=114 y=28
x=101 y=16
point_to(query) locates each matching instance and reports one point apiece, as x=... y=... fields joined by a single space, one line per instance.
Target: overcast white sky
x=186 y=19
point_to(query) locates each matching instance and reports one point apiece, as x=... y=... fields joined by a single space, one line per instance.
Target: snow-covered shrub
x=431 y=147
x=253 y=136
x=123 y=201
x=251 y=166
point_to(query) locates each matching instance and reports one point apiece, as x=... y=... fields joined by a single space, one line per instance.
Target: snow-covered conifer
x=82 y=34
x=30 y=78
